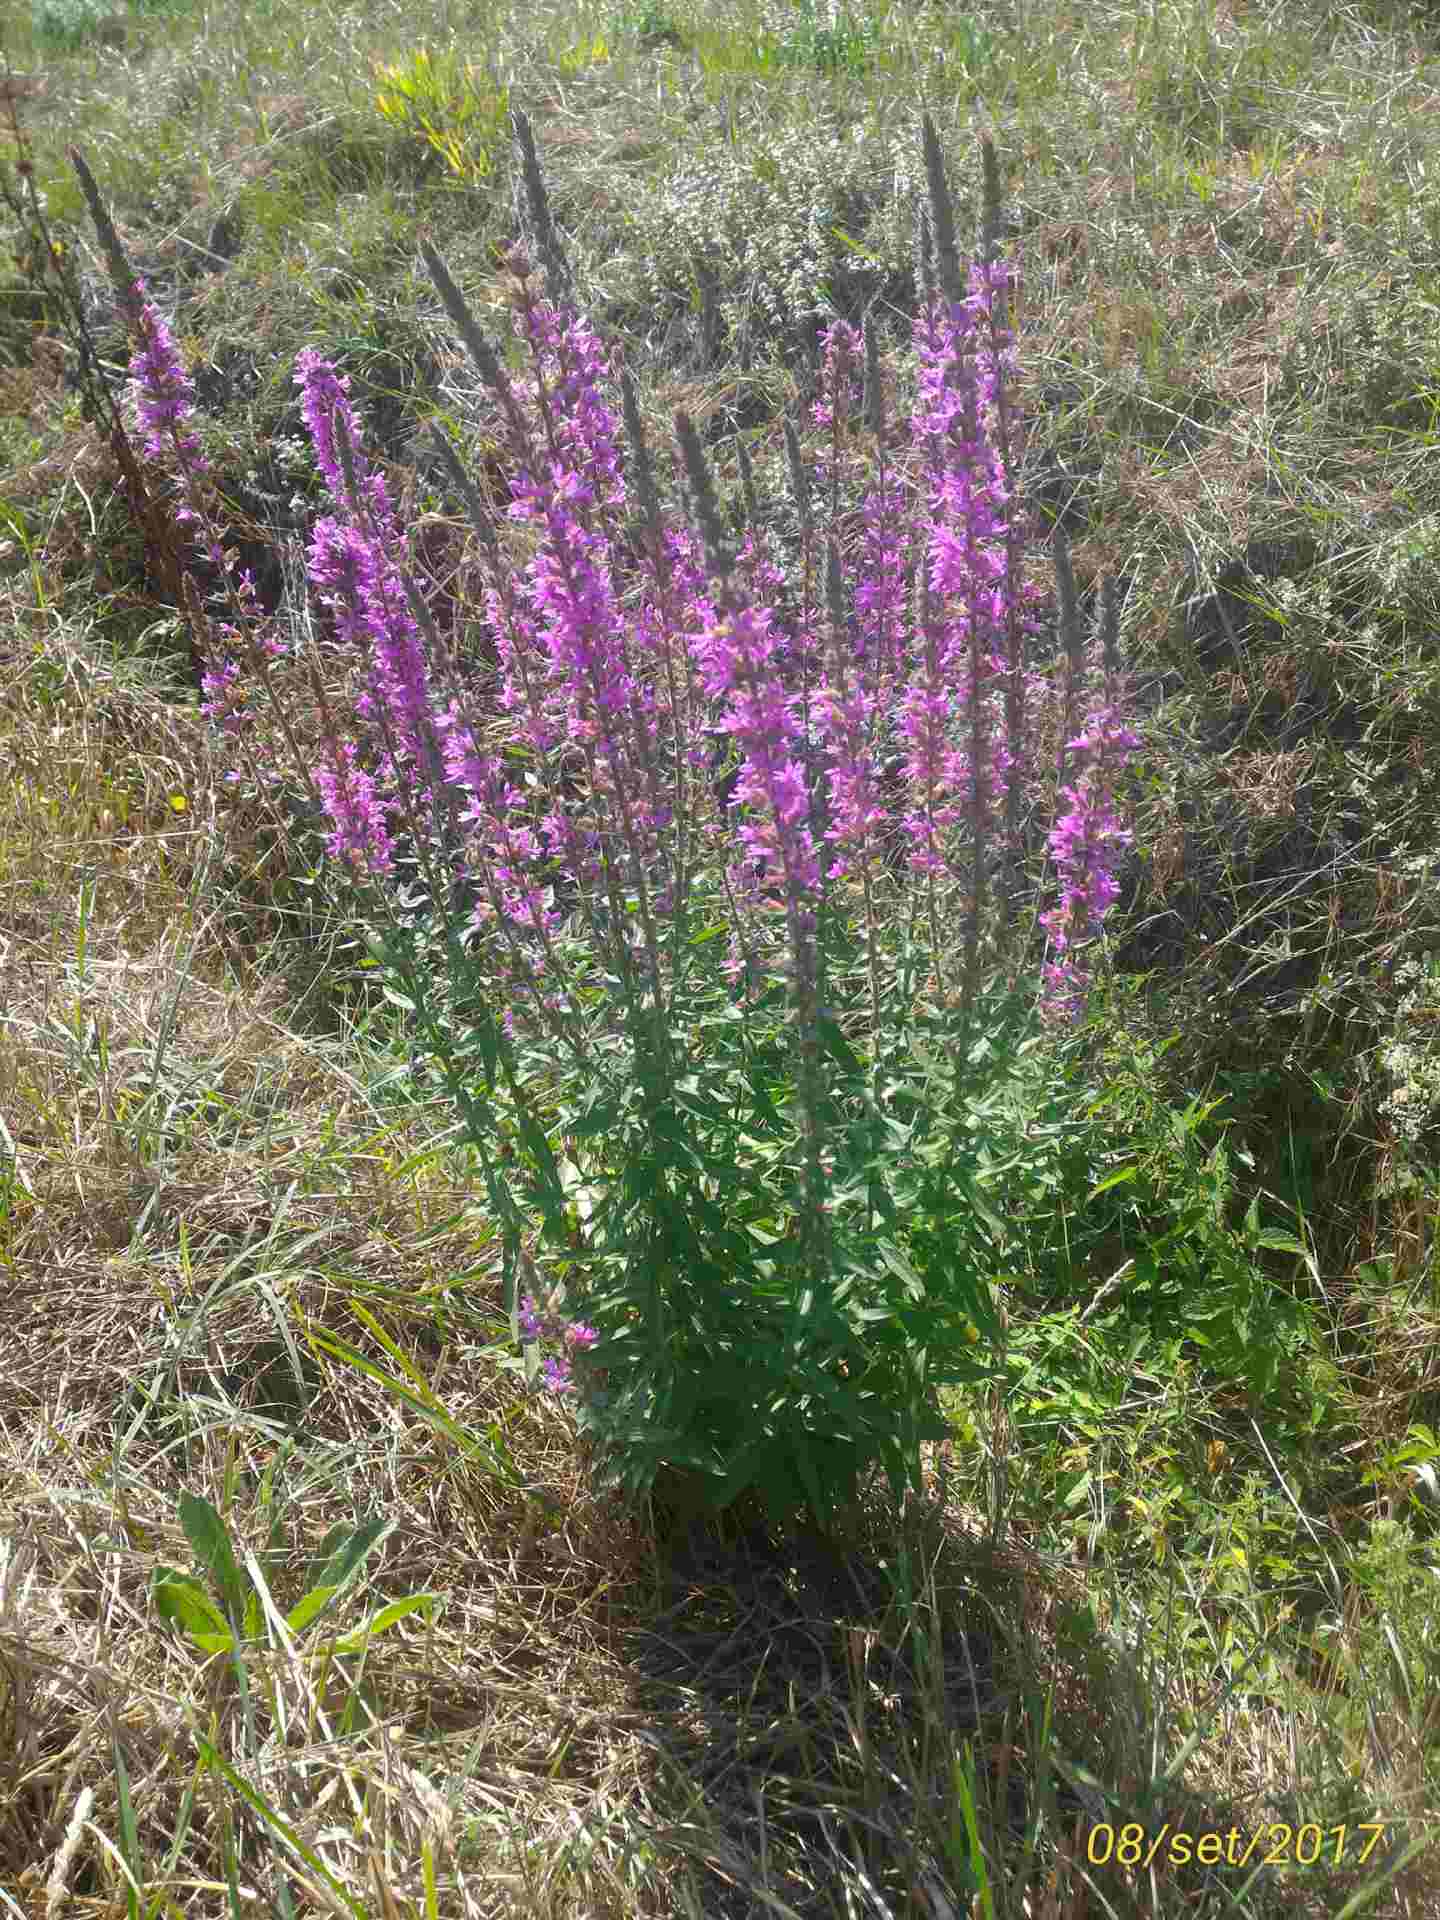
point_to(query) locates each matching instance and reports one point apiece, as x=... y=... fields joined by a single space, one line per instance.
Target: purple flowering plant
x=746 y=954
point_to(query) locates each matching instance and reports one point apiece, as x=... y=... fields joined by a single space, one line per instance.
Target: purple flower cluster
x=353 y=572
x=735 y=654
x=948 y=715
x=1085 y=843
x=589 y=688
x=164 y=392
x=857 y=686
x=546 y=1323
x=164 y=397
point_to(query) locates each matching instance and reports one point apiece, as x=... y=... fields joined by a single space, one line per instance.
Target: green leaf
x=129 y=1831
x=833 y=1041
x=185 y=1601
x=855 y=247
x=397 y=1354
x=307 y=1607
x=427 y=1875
x=343 y=1552
x=970 y=1189
x=1114 y=1180
x=900 y=1266
x=1283 y=1243
x=325 y=1552
x=538 y=1148
x=386 y=1617
x=205 y=1531
x=805 y=1467
x=692 y=1097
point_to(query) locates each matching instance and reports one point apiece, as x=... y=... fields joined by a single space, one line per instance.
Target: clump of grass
x=652 y=26
x=815 y=221
x=827 y=45
x=68 y=23
x=452 y=112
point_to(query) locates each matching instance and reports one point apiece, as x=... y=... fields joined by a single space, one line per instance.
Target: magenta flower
x=1085 y=843
x=589 y=691
x=360 y=835
x=948 y=715
x=536 y=1324
x=848 y=700
x=224 y=701
x=355 y=575
x=165 y=393
x=325 y=405
x=735 y=657
x=165 y=400
x=498 y=809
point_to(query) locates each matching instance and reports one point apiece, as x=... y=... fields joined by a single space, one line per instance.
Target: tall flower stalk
x=1087 y=840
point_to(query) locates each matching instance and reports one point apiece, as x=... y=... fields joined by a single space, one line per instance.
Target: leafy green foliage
x=668 y=1206
x=651 y=24
x=69 y=24
x=972 y=1164
x=843 y=44
x=1142 y=1221
x=231 y=1612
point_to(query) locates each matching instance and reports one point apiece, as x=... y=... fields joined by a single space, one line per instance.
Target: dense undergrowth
x=1174 y=1572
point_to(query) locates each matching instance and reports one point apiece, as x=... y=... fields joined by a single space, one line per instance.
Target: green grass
x=1184 y=1569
